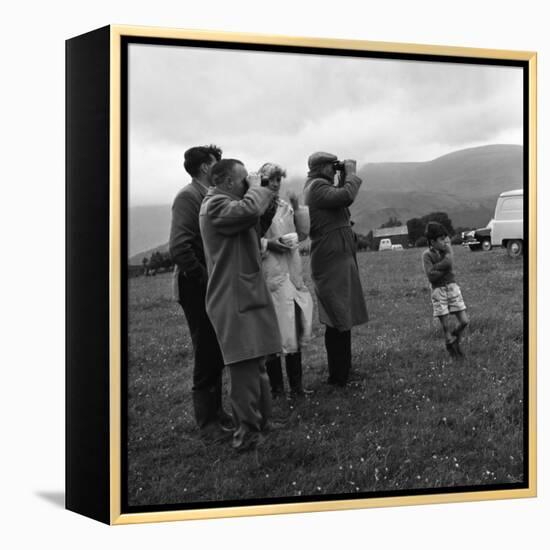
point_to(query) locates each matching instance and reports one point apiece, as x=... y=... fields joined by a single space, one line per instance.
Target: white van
x=507 y=227
x=385 y=244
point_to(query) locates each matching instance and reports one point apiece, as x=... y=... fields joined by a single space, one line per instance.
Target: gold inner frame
x=116 y=32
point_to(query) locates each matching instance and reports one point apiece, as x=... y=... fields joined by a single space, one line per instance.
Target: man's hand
x=199 y=275
x=448 y=246
x=275 y=245
x=350 y=167
x=254 y=180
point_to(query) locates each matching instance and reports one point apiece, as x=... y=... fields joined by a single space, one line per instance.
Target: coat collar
x=314 y=174
x=217 y=191
x=200 y=186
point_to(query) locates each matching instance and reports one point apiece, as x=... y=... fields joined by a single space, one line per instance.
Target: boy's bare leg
x=446 y=326
x=449 y=338
x=463 y=322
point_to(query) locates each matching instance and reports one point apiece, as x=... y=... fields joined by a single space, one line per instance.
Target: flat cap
x=318 y=159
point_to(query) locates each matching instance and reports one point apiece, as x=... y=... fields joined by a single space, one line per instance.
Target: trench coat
x=334 y=269
x=237 y=299
x=283 y=275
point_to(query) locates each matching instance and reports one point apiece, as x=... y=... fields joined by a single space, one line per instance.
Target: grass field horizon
x=411 y=419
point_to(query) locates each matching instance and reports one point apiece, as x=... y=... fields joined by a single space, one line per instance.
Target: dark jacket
x=438 y=267
x=329 y=205
x=334 y=269
x=186 y=248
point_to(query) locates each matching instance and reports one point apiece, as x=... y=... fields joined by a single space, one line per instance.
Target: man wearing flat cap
x=334 y=268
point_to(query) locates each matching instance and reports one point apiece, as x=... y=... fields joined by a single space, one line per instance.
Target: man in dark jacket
x=334 y=269
x=187 y=252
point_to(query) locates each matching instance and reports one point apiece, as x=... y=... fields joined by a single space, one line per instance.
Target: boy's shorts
x=447 y=299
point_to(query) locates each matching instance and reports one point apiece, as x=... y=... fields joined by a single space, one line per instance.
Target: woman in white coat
x=282 y=267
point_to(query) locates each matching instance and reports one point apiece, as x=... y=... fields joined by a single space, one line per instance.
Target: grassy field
x=412 y=418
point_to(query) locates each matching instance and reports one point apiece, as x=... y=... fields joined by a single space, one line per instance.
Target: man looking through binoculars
x=334 y=269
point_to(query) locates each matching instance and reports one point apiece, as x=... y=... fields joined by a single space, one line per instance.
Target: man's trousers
x=338 y=345
x=250 y=395
x=208 y=360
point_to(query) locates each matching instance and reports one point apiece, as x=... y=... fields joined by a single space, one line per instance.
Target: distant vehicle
x=397 y=247
x=479 y=239
x=508 y=222
x=385 y=244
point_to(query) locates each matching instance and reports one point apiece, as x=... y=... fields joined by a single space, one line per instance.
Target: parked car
x=508 y=222
x=479 y=239
x=385 y=244
x=397 y=247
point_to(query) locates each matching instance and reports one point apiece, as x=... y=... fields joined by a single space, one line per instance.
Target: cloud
x=261 y=106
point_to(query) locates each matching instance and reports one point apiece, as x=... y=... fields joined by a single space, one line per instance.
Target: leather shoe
x=226 y=422
x=213 y=433
x=247 y=440
x=457 y=349
x=274 y=424
x=451 y=348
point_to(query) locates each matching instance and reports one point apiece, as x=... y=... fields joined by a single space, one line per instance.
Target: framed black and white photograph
x=301 y=274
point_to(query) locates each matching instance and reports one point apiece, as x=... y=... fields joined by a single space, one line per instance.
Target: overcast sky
x=260 y=107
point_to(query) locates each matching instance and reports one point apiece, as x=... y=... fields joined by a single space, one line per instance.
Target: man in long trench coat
x=237 y=299
x=333 y=261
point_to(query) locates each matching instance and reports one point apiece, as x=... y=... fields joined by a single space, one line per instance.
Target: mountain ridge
x=463 y=183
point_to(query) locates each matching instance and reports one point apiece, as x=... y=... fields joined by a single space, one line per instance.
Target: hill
x=148 y=227
x=465 y=184
x=138 y=258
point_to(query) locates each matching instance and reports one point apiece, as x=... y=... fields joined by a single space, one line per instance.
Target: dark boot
x=224 y=418
x=338 y=345
x=204 y=406
x=275 y=374
x=293 y=365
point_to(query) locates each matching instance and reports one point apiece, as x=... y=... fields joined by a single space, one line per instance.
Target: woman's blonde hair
x=271 y=170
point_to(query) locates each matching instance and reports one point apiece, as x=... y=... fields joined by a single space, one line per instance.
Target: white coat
x=283 y=275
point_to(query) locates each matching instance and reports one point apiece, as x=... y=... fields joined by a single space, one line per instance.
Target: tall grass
x=412 y=418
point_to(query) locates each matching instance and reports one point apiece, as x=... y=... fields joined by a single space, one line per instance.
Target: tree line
x=159 y=261
x=162 y=261
x=415 y=229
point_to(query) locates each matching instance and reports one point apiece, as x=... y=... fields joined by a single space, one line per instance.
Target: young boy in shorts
x=446 y=296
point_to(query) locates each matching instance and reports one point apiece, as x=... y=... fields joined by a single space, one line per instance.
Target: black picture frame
x=96 y=273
